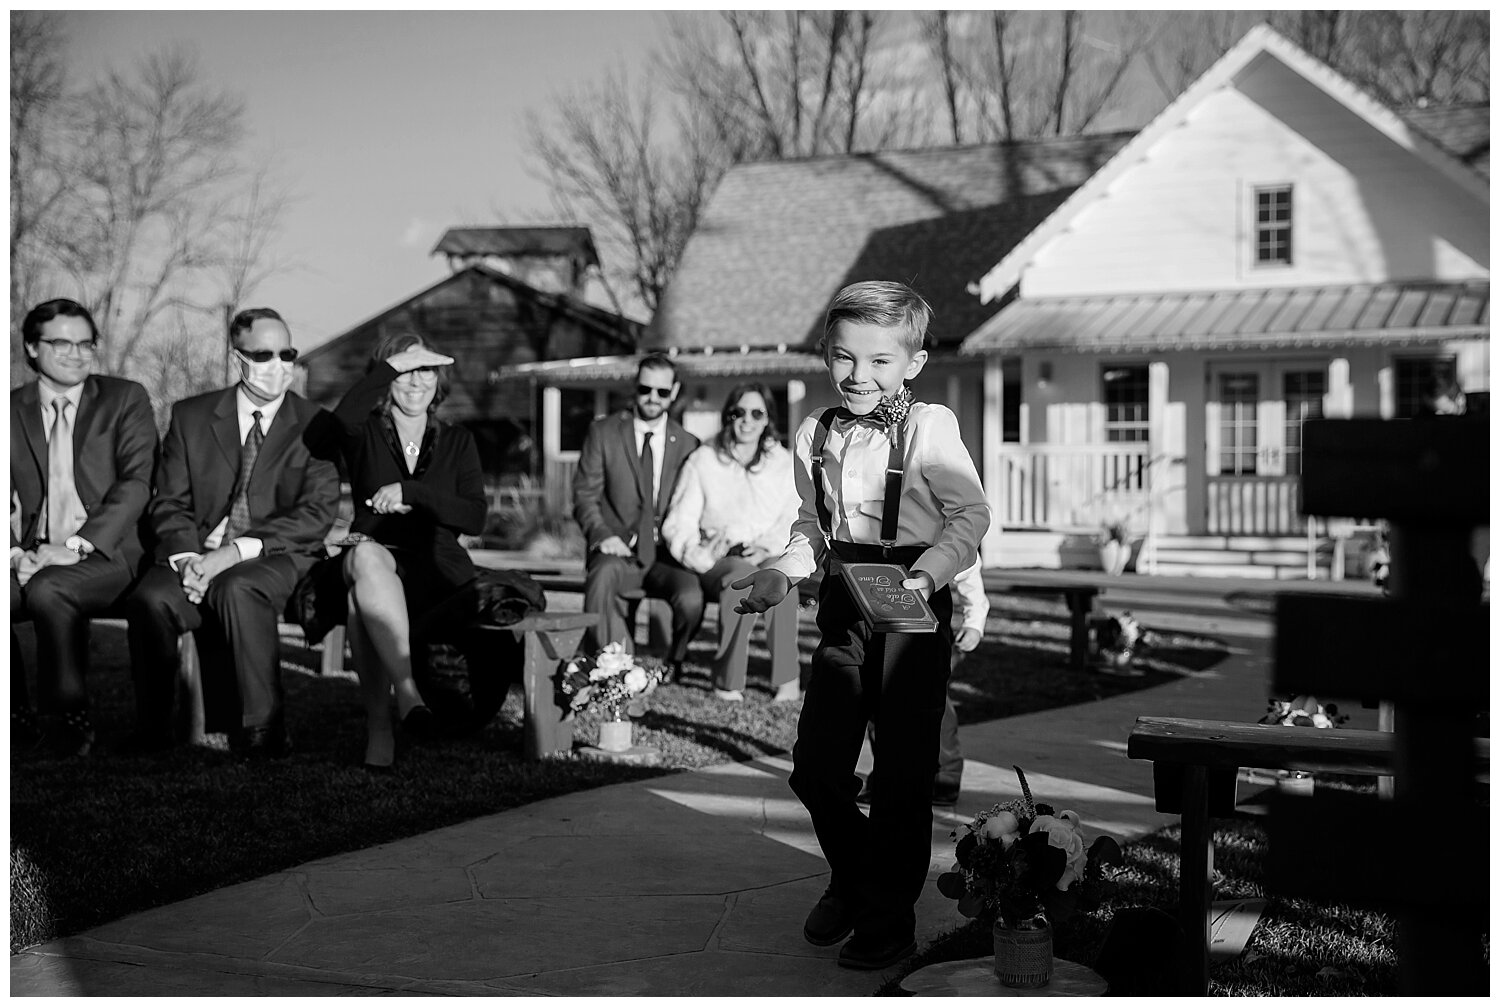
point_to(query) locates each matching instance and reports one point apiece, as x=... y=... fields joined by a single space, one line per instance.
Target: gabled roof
x=1462 y=130
x=778 y=239
x=1258 y=41
x=608 y=324
x=519 y=241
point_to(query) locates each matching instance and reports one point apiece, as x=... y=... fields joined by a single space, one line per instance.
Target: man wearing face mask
x=241 y=510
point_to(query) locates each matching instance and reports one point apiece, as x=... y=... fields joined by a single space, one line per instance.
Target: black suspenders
x=894 y=473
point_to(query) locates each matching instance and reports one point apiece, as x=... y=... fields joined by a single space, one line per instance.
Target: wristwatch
x=78 y=545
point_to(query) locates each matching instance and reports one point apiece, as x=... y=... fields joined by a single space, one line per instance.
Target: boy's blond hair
x=880 y=302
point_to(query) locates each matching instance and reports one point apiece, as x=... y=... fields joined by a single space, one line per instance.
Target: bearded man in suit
x=241 y=509
x=82 y=446
x=626 y=472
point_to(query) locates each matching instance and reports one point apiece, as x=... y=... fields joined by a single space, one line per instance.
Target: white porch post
x=1339 y=402
x=1166 y=476
x=551 y=443
x=993 y=429
x=796 y=392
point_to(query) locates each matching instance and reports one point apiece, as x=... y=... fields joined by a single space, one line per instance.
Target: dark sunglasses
x=644 y=391
x=265 y=356
x=738 y=413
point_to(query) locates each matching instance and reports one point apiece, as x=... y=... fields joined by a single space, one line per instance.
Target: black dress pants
x=60 y=601
x=898 y=682
x=608 y=576
x=238 y=642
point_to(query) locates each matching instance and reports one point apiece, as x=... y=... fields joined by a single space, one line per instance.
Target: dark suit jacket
x=114 y=449
x=294 y=496
x=607 y=488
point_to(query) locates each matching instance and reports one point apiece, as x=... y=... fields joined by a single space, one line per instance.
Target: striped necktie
x=239 y=512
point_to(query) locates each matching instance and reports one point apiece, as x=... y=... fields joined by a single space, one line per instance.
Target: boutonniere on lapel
x=892 y=409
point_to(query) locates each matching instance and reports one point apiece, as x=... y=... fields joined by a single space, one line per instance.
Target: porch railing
x=1061 y=485
x=558 y=481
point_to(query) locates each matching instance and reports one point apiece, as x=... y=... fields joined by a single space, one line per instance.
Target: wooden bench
x=1195 y=762
x=1080 y=600
x=547 y=639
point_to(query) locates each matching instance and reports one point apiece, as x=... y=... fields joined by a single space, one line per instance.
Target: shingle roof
x=778 y=239
x=518 y=241
x=1357 y=314
x=1461 y=130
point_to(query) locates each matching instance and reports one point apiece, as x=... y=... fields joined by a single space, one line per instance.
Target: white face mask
x=267 y=380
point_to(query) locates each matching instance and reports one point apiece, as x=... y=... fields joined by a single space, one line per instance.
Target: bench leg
x=1078 y=647
x=543 y=650
x=333 y=651
x=1195 y=867
x=189 y=703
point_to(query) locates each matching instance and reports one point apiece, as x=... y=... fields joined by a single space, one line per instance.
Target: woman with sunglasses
x=732 y=510
x=417 y=485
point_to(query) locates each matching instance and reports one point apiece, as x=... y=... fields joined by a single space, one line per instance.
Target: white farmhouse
x=1273 y=246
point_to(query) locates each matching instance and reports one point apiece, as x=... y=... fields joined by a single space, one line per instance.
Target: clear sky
x=388 y=127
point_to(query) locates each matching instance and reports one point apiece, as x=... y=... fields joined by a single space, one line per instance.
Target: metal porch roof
x=725 y=363
x=1363 y=314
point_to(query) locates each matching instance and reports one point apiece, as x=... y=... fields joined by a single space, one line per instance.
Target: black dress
x=445 y=493
x=462 y=673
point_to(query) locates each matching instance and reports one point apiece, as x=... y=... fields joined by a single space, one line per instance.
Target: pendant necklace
x=411 y=449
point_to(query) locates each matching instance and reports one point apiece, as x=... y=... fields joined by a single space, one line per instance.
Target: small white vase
x=614 y=735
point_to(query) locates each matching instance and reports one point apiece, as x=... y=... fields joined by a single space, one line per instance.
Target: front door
x=1255 y=410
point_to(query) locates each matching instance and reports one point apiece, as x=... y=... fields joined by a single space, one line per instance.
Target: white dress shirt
x=716 y=495
x=971 y=605
x=658 y=430
x=248 y=548
x=942 y=501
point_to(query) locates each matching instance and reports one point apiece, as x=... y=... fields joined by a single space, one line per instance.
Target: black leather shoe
x=71 y=735
x=830 y=921
x=265 y=742
x=875 y=953
x=421 y=723
x=944 y=795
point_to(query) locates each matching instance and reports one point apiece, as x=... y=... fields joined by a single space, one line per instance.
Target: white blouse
x=719 y=496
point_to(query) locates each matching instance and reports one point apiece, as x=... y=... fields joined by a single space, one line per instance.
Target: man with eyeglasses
x=81 y=450
x=241 y=510
x=626 y=473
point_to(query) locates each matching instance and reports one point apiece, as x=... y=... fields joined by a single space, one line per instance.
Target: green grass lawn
x=99 y=838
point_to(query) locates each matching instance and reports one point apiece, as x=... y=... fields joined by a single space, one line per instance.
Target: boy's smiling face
x=867 y=361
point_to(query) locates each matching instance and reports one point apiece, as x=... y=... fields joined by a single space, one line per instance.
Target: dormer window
x=1273 y=225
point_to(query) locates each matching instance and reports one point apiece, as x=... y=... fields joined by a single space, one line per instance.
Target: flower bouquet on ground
x=1027 y=864
x=1302 y=711
x=606 y=681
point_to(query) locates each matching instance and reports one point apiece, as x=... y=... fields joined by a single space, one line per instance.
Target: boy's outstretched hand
x=767 y=588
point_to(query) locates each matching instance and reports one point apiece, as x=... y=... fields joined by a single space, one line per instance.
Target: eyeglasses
x=66 y=347
x=738 y=413
x=266 y=356
x=425 y=375
x=646 y=391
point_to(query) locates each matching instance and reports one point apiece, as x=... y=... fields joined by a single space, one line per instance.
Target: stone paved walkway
x=690 y=884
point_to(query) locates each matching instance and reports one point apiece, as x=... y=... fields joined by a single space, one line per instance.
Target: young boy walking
x=881 y=479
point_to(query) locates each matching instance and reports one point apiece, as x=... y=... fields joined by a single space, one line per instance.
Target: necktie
x=645 y=532
x=239 y=511
x=65 y=513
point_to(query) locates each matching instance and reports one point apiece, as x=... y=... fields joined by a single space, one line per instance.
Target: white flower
x=1062 y=833
x=635 y=680
x=612 y=659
